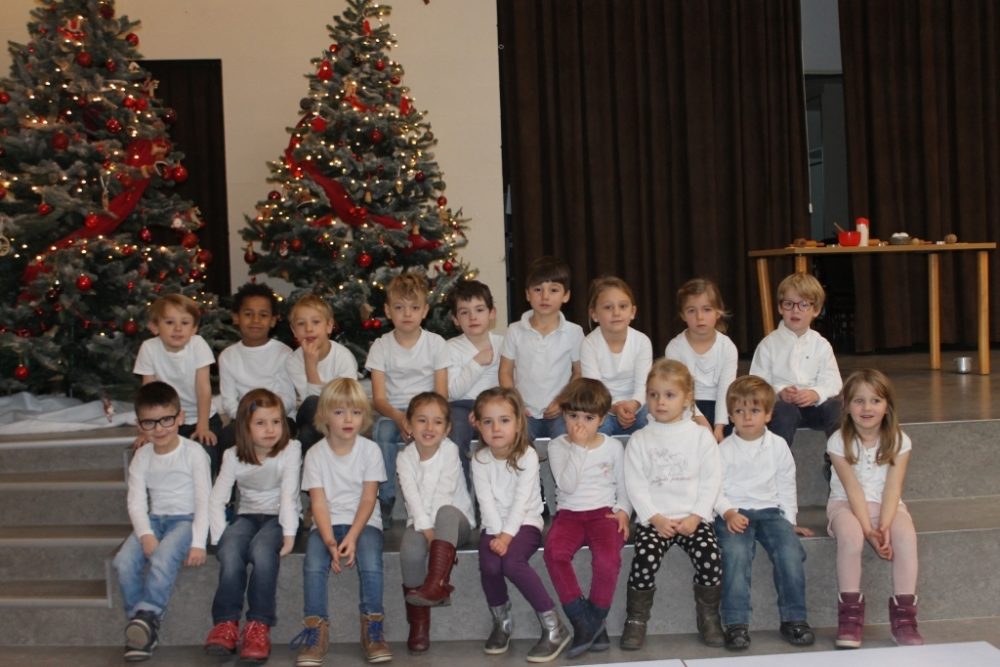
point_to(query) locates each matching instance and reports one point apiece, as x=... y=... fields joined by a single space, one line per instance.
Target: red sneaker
x=255 y=644
x=222 y=639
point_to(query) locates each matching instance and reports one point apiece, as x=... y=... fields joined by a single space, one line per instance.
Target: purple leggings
x=514 y=566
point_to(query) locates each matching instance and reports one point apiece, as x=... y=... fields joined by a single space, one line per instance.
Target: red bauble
x=141 y=104
x=110 y=65
x=107 y=11
x=21 y=373
x=394 y=80
x=376 y=323
x=169 y=116
x=91 y=221
x=250 y=257
x=334 y=48
x=84 y=59
x=145 y=235
x=190 y=240
x=114 y=125
x=129 y=102
x=3 y=192
x=44 y=209
x=179 y=174
x=84 y=283
x=442 y=201
x=380 y=65
x=295 y=244
x=130 y=285
x=325 y=72
x=448 y=266
x=60 y=141
x=132 y=39
x=4 y=97
x=195 y=274
x=376 y=136
x=130 y=328
x=364 y=260
x=420 y=176
x=274 y=195
x=204 y=256
x=318 y=125
x=127 y=250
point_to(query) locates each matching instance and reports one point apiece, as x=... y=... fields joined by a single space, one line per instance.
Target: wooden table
x=933 y=252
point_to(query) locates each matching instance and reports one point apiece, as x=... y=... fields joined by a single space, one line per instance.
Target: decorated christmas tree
x=90 y=228
x=358 y=197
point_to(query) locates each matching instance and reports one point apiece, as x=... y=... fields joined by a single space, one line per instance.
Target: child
x=181 y=358
x=799 y=363
x=257 y=360
x=168 y=487
x=870 y=454
x=617 y=355
x=594 y=511
x=475 y=357
x=316 y=361
x=706 y=350
x=342 y=475
x=265 y=465
x=758 y=504
x=673 y=476
x=505 y=473
x=404 y=362
x=439 y=511
x=541 y=351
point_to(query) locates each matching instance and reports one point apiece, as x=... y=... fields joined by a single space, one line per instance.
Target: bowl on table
x=852 y=238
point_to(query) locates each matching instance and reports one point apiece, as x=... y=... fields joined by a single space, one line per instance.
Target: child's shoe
x=554 y=637
x=312 y=643
x=586 y=627
x=737 y=637
x=637 y=605
x=373 y=640
x=903 y=619
x=797 y=633
x=436 y=589
x=601 y=642
x=706 y=603
x=419 y=620
x=223 y=638
x=140 y=636
x=503 y=626
x=255 y=644
x=850 y=620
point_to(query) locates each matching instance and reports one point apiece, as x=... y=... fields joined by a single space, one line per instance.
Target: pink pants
x=846 y=528
x=569 y=533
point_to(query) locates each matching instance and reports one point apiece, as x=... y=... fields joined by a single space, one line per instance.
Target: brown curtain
x=658 y=140
x=922 y=98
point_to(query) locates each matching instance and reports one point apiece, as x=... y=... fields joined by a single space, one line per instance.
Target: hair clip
x=253 y=406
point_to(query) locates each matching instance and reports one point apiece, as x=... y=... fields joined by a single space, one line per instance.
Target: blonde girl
x=870 y=453
x=439 y=510
x=706 y=351
x=617 y=355
x=505 y=475
x=265 y=466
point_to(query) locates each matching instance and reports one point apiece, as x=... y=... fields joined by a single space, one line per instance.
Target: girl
x=265 y=466
x=706 y=350
x=617 y=355
x=589 y=469
x=342 y=473
x=505 y=474
x=673 y=475
x=439 y=511
x=869 y=455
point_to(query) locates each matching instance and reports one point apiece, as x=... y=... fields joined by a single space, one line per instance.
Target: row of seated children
x=671 y=473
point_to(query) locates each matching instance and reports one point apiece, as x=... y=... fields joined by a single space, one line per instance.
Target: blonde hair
x=342 y=393
x=697 y=287
x=672 y=370
x=252 y=401
x=603 y=283
x=890 y=437
x=159 y=307
x=314 y=302
x=750 y=390
x=807 y=287
x=521 y=439
x=408 y=285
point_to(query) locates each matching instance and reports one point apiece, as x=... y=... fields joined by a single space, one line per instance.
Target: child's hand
x=551 y=410
x=139 y=441
x=879 y=543
x=287 y=544
x=196 y=557
x=334 y=550
x=204 y=435
x=428 y=534
x=688 y=525
x=622 y=520
x=499 y=544
x=663 y=525
x=802 y=531
x=701 y=421
x=346 y=551
x=624 y=412
x=736 y=523
x=806 y=397
x=403 y=426
x=485 y=356
x=720 y=432
x=149 y=544
x=788 y=394
x=310 y=351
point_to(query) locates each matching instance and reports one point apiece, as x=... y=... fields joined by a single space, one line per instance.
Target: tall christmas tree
x=358 y=196
x=90 y=229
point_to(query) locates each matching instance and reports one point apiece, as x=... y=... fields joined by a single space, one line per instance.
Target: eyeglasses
x=165 y=422
x=788 y=304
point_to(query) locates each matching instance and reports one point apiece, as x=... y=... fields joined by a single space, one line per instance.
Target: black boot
x=602 y=642
x=706 y=599
x=585 y=626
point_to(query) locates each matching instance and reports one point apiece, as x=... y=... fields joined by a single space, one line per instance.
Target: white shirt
x=870 y=475
x=508 y=498
x=588 y=479
x=432 y=484
x=757 y=474
x=408 y=370
x=177 y=369
x=342 y=478
x=623 y=373
x=269 y=488
x=466 y=377
x=338 y=363
x=673 y=469
x=177 y=483
x=243 y=368
x=806 y=362
x=542 y=364
x=713 y=371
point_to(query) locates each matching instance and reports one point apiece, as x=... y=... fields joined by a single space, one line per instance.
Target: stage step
x=58 y=552
x=81 y=450
x=63 y=497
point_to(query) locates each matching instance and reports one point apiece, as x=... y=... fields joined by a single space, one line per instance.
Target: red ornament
x=130 y=285
x=366 y=27
x=44 y=209
x=91 y=221
x=295 y=245
x=4 y=97
x=442 y=201
x=21 y=373
x=380 y=65
x=60 y=141
x=394 y=80
x=141 y=104
x=274 y=195
x=420 y=176
x=127 y=250
x=376 y=136
x=84 y=283
x=448 y=266
x=110 y=65
x=107 y=11
x=376 y=323
x=195 y=274
x=404 y=105
x=190 y=240
x=334 y=48
x=204 y=256
x=114 y=125
x=250 y=256
x=145 y=235
x=169 y=116
x=179 y=174
x=132 y=39
x=84 y=59
x=364 y=260
x=325 y=72
x=318 y=125
x=129 y=102
x=130 y=328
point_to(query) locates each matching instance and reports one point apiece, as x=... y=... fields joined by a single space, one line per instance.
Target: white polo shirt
x=542 y=364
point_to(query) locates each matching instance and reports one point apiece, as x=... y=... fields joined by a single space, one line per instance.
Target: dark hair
x=255 y=289
x=750 y=390
x=512 y=398
x=425 y=397
x=252 y=401
x=155 y=395
x=585 y=395
x=467 y=290
x=547 y=269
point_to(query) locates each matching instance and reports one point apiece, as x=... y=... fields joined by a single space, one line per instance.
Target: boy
x=799 y=363
x=171 y=528
x=475 y=357
x=182 y=359
x=316 y=361
x=541 y=352
x=758 y=503
x=403 y=363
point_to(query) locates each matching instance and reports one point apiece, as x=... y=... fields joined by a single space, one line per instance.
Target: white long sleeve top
x=757 y=474
x=508 y=498
x=713 y=371
x=338 y=363
x=588 y=479
x=432 y=484
x=175 y=483
x=623 y=373
x=467 y=378
x=806 y=362
x=243 y=368
x=673 y=469
x=272 y=487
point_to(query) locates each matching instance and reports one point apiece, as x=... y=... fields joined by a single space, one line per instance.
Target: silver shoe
x=503 y=625
x=554 y=637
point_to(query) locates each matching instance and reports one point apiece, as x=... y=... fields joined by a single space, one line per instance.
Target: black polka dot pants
x=650 y=547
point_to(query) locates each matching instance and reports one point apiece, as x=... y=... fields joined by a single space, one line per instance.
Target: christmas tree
x=358 y=196
x=90 y=228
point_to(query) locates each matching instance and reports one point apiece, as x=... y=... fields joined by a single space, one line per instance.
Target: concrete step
x=82 y=450
x=63 y=497
x=58 y=552
x=61 y=593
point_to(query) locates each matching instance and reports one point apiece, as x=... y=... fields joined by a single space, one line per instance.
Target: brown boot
x=373 y=638
x=419 y=619
x=313 y=642
x=436 y=591
x=706 y=602
x=637 y=606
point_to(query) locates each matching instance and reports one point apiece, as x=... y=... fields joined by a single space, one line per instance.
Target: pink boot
x=903 y=619
x=850 y=620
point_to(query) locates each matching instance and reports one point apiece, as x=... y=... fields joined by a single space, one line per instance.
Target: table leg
x=764 y=286
x=983 y=270
x=934 y=308
x=801 y=264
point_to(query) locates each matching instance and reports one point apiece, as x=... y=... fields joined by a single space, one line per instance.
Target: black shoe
x=738 y=637
x=797 y=633
x=140 y=636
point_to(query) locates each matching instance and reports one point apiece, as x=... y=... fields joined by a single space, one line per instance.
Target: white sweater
x=757 y=474
x=806 y=362
x=588 y=479
x=432 y=484
x=508 y=498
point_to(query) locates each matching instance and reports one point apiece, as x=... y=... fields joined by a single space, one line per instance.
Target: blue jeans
x=368 y=562
x=146 y=583
x=782 y=545
x=788 y=417
x=252 y=539
x=386 y=435
x=539 y=427
x=610 y=425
